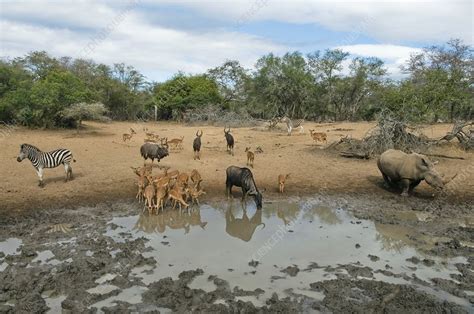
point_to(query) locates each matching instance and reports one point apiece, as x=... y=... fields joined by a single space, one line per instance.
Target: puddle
x=10 y=246
x=222 y=239
x=44 y=257
x=131 y=295
x=53 y=302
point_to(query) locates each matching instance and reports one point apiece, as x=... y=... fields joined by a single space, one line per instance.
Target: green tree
x=282 y=86
x=182 y=92
x=232 y=80
x=442 y=81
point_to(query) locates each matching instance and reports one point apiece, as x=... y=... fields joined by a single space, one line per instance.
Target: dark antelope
x=230 y=141
x=197 y=146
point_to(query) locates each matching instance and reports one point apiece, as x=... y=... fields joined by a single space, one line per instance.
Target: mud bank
x=324 y=253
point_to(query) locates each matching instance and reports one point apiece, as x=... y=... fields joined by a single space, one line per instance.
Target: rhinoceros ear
x=425 y=162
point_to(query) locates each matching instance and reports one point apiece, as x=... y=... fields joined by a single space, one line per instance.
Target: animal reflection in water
x=173 y=219
x=242 y=228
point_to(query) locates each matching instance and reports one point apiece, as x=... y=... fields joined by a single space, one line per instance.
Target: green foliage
x=183 y=92
x=38 y=90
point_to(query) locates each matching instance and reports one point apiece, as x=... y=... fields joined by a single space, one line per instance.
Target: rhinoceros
x=408 y=170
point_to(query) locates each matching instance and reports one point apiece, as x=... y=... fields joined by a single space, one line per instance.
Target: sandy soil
x=102 y=171
x=83 y=259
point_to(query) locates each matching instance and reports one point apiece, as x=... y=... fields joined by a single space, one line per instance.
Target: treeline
x=41 y=91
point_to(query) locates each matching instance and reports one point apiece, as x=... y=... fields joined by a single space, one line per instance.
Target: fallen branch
x=444 y=156
x=354 y=155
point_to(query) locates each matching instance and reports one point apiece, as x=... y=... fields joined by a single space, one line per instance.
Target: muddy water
x=283 y=249
x=307 y=249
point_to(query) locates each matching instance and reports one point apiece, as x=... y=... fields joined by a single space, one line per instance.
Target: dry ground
x=102 y=171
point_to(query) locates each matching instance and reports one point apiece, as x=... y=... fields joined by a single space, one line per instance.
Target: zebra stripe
x=41 y=160
x=293 y=124
x=50 y=159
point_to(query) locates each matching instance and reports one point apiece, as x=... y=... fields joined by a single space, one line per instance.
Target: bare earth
x=58 y=244
x=102 y=171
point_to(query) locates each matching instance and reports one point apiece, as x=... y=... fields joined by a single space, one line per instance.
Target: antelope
x=164 y=181
x=281 y=181
x=150 y=134
x=176 y=142
x=176 y=194
x=230 y=141
x=141 y=187
x=173 y=174
x=196 y=178
x=142 y=171
x=197 y=146
x=318 y=136
x=195 y=193
x=161 y=194
x=183 y=179
x=149 y=194
x=250 y=157
x=128 y=136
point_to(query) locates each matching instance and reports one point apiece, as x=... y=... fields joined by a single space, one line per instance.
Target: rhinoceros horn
x=447 y=180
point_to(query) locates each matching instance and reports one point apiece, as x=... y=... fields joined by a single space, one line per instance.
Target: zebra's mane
x=30 y=146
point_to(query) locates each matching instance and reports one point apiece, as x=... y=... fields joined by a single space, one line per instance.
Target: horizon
x=193 y=38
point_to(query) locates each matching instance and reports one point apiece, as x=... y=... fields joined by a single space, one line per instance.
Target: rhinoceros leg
x=405 y=184
x=413 y=185
x=387 y=180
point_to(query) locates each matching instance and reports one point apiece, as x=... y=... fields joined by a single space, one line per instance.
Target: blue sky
x=162 y=37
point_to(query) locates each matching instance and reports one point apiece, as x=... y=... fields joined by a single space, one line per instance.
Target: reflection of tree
x=326 y=215
x=392 y=237
x=286 y=211
x=173 y=219
x=242 y=228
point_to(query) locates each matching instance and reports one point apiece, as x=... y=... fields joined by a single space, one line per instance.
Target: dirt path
x=102 y=171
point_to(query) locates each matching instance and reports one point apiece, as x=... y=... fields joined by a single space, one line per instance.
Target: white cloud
x=394 y=56
x=69 y=27
x=385 y=20
x=150 y=48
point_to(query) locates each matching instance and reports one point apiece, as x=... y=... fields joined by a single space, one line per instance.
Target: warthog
x=242 y=177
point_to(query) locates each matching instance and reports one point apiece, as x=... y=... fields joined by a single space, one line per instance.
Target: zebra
x=41 y=160
x=293 y=124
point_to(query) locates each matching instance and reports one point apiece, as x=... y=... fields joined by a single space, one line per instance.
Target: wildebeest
x=230 y=141
x=154 y=151
x=242 y=177
x=243 y=228
x=197 y=146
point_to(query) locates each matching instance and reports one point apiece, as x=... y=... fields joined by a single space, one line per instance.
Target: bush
x=76 y=113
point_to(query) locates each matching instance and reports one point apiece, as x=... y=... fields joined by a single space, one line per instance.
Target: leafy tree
x=282 y=86
x=443 y=81
x=358 y=89
x=182 y=92
x=232 y=80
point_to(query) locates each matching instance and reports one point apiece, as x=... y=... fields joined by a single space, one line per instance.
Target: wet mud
x=321 y=253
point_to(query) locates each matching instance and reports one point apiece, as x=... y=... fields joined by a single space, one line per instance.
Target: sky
x=160 y=38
